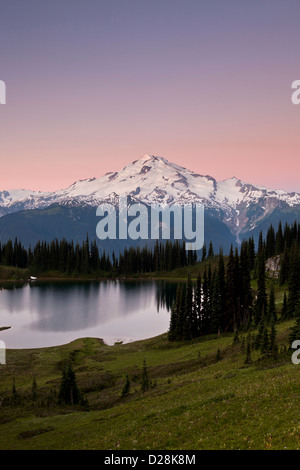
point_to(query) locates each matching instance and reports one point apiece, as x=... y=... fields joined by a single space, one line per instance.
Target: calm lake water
x=52 y=313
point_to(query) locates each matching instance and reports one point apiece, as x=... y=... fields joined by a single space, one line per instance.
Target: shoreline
x=93 y=279
x=119 y=342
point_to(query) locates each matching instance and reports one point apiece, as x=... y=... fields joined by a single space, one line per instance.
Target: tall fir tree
x=203 y=258
x=279 y=243
x=284 y=308
x=190 y=323
x=145 y=382
x=271 y=314
x=69 y=393
x=294 y=284
x=261 y=300
x=210 y=251
x=245 y=294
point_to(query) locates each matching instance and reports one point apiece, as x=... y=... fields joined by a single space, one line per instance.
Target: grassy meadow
x=196 y=400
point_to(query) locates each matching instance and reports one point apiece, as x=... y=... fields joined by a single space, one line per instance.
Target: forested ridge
x=234 y=296
x=66 y=257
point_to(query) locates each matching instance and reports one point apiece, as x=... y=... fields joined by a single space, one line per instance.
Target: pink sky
x=207 y=88
x=48 y=146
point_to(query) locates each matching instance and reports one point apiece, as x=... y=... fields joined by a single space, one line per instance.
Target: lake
x=52 y=313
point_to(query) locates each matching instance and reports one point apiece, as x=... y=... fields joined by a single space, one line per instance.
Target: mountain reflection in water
x=51 y=313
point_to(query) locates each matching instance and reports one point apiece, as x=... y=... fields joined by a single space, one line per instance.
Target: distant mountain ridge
x=240 y=207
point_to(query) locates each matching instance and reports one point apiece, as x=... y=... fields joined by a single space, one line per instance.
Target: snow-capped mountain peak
x=153 y=179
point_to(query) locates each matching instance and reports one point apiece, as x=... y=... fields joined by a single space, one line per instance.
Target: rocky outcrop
x=273 y=267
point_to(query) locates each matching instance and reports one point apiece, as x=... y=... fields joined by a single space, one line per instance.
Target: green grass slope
x=194 y=401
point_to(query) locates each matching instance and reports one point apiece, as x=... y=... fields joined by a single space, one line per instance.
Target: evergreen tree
x=294 y=285
x=284 y=309
x=265 y=345
x=295 y=331
x=272 y=315
x=126 y=388
x=251 y=253
x=145 y=382
x=293 y=303
x=210 y=251
x=261 y=329
x=34 y=390
x=218 y=299
x=181 y=313
x=245 y=290
x=261 y=244
x=222 y=292
x=279 y=243
x=261 y=301
x=69 y=393
x=270 y=243
x=8 y=254
x=231 y=299
x=172 y=333
x=15 y=397
x=203 y=252
x=190 y=320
